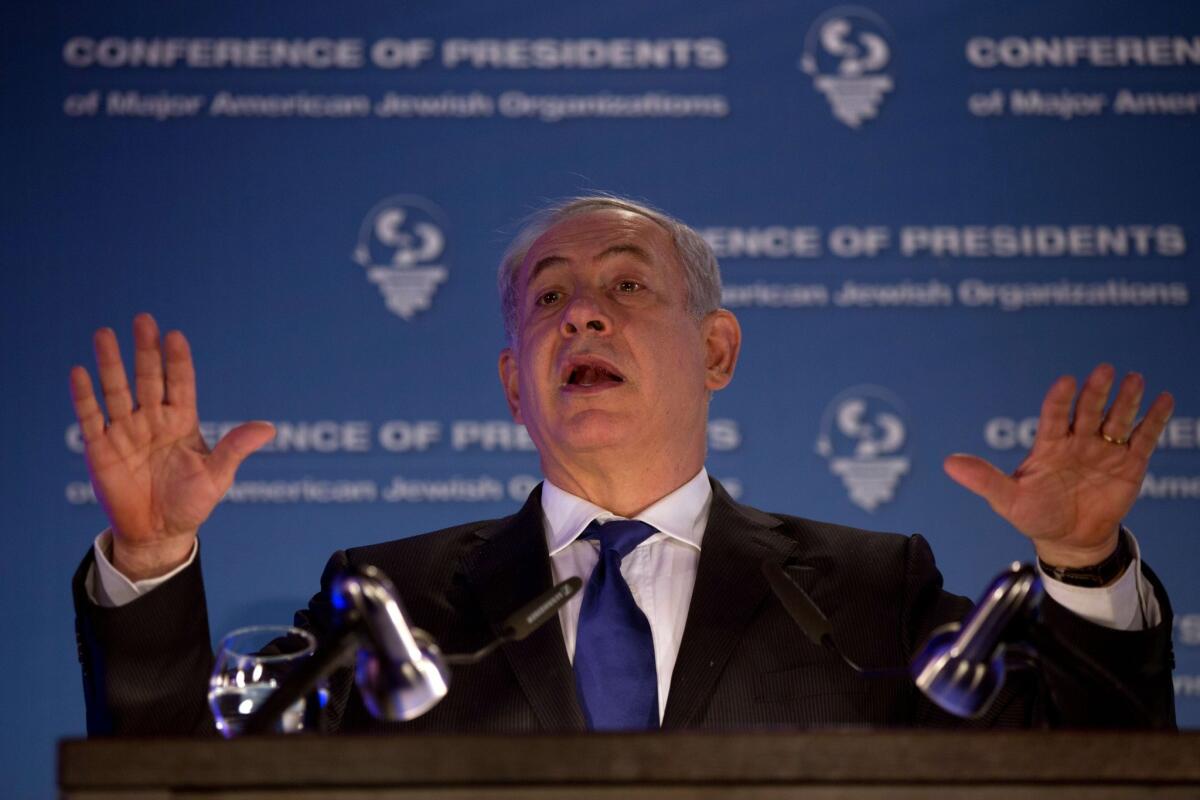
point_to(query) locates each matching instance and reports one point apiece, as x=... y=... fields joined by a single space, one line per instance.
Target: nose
x=583 y=313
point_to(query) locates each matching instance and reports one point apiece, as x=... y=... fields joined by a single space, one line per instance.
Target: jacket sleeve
x=1140 y=660
x=145 y=664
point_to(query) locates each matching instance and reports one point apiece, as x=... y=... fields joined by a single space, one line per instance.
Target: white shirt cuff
x=1126 y=604
x=108 y=588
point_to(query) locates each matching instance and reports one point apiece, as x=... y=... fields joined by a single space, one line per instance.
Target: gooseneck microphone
x=525 y=620
x=399 y=670
x=812 y=622
x=962 y=666
x=799 y=606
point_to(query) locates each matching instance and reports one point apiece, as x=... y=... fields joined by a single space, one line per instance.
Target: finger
x=1055 y=421
x=983 y=479
x=112 y=375
x=87 y=410
x=1092 y=400
x=234 y=447
x=1119 y=420
x=1144 y=438
x=147 y=361
x=181 y=374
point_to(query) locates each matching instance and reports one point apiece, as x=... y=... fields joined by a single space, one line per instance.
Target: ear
x=509 y=380
x=722 y=343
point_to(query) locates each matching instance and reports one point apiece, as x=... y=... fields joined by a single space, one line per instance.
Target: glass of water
x=251 y=663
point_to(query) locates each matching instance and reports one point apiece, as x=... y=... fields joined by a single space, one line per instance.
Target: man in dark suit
x=616 y=344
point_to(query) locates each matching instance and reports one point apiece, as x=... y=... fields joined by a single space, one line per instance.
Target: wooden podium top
x=822 y=764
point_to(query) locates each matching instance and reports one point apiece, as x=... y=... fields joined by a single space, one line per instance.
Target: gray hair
x=702 y=276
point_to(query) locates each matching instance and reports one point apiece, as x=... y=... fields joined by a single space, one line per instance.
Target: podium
x=858 y=765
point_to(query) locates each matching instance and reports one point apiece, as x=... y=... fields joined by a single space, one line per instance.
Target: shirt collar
x=681 y=515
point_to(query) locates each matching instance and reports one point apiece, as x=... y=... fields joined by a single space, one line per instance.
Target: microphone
x=399 y=669
x=400 y=672
x=531 y=616
x=799 y=606
x=524 y=621
x=812 y=622
x=962 y=666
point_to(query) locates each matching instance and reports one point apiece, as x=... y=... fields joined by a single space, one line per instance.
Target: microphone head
x=961 y=667
x=799 y=606
x=961 y=686
x=531 y=616
x=399 y=670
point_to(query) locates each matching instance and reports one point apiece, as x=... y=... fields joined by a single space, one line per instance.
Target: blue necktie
x=614 y=651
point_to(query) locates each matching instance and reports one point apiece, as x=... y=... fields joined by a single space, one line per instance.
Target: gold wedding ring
x=1111 y=440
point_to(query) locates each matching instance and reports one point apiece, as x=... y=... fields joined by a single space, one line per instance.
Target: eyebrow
x=617 y=249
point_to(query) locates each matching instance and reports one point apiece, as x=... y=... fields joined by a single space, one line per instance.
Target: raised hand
x=153 y=474
x=1082 y=476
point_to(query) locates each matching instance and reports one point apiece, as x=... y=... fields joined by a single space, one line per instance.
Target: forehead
x=593 y=234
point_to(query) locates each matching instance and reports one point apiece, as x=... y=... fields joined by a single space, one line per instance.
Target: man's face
x=606 y=354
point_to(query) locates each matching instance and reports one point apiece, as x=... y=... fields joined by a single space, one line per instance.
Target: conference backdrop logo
x=401 y=245
x=862 y=436
x=845 y=52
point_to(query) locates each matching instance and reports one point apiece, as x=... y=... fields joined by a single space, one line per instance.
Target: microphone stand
x=334 y=653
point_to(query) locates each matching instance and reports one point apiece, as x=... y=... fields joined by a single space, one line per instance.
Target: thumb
x=980 y=477
x=234 y=447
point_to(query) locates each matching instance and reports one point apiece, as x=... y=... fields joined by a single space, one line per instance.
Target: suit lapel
x=508 y=569
x=729 y=589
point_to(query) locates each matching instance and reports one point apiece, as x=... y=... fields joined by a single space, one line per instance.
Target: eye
x=628 y=286
x=549 y=298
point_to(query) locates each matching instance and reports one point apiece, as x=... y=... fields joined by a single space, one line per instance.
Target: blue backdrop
x=925 y=213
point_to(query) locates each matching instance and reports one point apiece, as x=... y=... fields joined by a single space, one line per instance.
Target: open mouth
x=588 y=373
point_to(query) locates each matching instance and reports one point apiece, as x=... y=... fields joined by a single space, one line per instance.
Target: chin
x=596 y=430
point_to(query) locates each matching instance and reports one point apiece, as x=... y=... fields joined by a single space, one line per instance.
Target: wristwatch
x=1100 y=574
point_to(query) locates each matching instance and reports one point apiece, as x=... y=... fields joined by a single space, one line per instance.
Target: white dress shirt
x=661 y=572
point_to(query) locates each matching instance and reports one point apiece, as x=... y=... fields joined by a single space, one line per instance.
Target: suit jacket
x=742 y=662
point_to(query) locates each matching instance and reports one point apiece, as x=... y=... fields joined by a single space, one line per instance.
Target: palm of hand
x=151 y=474
x=1073 y=490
